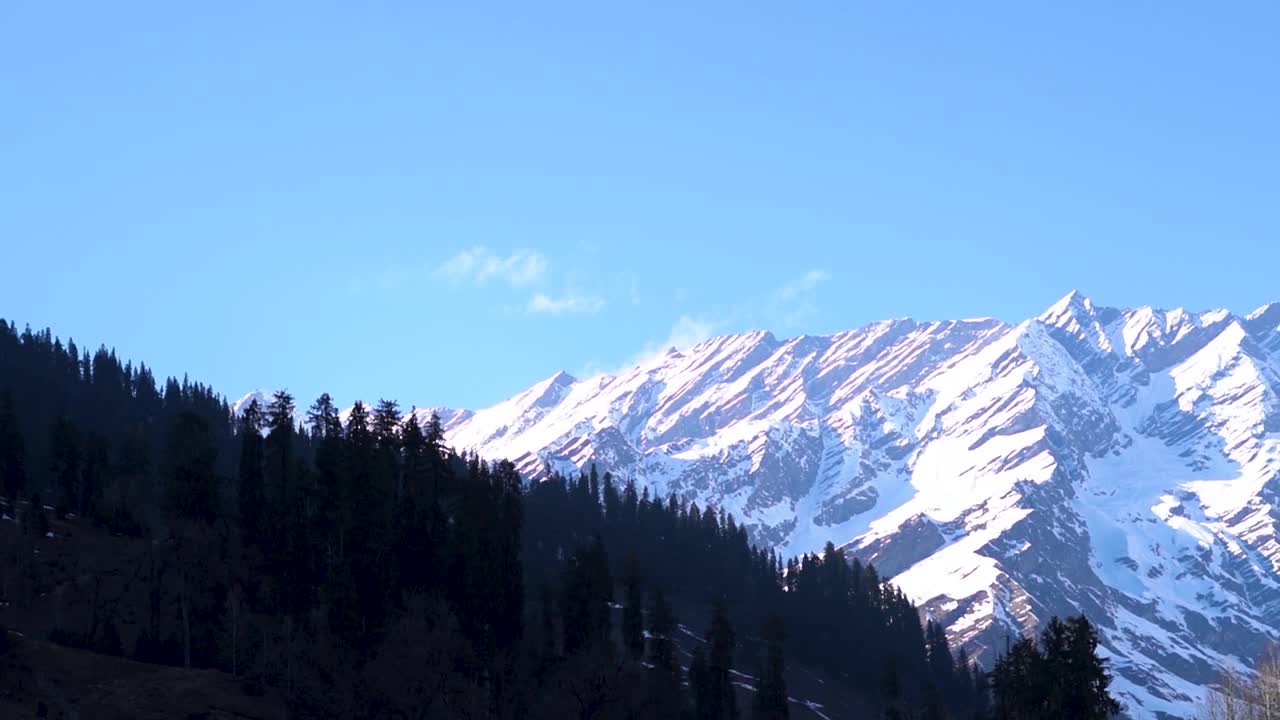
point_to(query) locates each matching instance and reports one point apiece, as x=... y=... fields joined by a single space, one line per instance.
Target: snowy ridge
x=1124 y=463
x=1121 y=462
x=262 y=396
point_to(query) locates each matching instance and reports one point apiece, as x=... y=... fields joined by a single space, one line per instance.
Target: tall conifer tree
x=13 y=450
x=722 y=643
x=771 y=695
x=250 y=494
x=632 y=610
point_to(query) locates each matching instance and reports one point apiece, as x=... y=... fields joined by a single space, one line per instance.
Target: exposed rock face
x=1121 y=462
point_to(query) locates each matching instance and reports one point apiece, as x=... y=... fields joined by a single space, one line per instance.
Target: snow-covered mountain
x=1125 y=463
x=262 y=396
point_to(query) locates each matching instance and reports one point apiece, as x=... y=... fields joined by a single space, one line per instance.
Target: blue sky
x=445 y=204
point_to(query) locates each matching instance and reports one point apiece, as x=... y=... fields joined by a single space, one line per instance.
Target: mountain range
x=1120 y=462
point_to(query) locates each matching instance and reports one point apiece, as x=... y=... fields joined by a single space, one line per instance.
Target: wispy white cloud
x=686 y=332
x=792 y=304
x=635 y=289
x=571 y=302
x=479 y=265
x=803 y=284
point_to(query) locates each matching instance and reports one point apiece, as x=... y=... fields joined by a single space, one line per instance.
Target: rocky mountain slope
x=1121 y=462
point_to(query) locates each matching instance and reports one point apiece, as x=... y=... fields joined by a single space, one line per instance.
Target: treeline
x=840 y=617
x=85 y=431
x=367 y=570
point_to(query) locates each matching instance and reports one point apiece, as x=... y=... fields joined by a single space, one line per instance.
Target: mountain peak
x=1264 y=319
x=262 y=396
x=1074 y=311
x=561 y=378
x=549 y=392
x=1074 y=300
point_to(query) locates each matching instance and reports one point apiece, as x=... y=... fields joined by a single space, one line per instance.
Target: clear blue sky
x=446 y=204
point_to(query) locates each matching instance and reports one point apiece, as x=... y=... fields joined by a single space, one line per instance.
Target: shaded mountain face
x=1124 y=463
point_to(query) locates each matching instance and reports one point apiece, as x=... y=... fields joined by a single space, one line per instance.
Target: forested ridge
x=366 y=569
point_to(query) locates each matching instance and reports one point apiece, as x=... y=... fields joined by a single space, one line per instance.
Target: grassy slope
x=79 y=684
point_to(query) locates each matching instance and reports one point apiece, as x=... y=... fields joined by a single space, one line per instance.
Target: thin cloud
x=793 y=303
x=788 y=305
x=635 y=290
x=804 y=284
x=569 y=303
x=480 y=265
x=686 y=332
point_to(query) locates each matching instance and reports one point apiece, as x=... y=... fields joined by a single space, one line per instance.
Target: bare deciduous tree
x=1239 y=697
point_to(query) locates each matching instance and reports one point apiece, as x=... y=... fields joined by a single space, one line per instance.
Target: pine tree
x=594 y=485
x=1089 y=698
x=981 y=695
x=933 y=704
x=191 y=498
x=414 y=517
x=1019 y=682
x=612 y=500
x=588 y=591
x=632 y=612
x=95 y=476
x=279 y=480
x=13 y=451
x=701 y=688
x=938 y=652
x=35 y=522
x=250 y=495
x=1059 y=687
x=891 y=691
x=64 y=462
x=771 y=695
x=191 y=490
x=322 y=417
x=358 y=503
x=547 y=624
x=1061 y=677
x=722 y=642
x=664 y=673
x=964 y=666
x=386 y=432
x=434 y=432
x=508 y=597
x=662 y=627
x=631 y=502
x=326 y=432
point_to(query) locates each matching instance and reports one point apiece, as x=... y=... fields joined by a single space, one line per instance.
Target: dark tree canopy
x=1060 y=677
